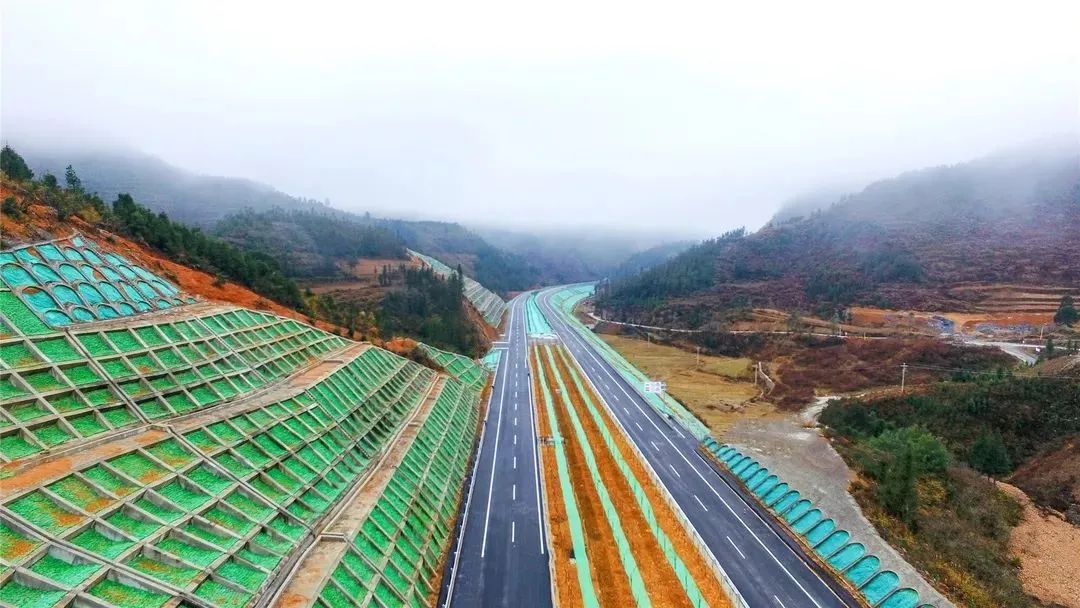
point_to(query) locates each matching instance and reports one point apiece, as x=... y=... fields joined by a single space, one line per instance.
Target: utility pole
x=903 y=377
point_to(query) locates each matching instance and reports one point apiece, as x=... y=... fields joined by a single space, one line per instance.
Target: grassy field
x=716 y=389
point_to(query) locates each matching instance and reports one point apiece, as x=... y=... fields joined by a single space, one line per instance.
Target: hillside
x=215 y=203
x=191 y=198
x=37 y=208
x=990 y=235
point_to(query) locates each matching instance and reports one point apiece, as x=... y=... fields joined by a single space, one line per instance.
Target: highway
x=764 y=565
x=501 y=557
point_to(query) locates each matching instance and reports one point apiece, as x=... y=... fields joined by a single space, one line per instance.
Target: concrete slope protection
x=160 y=451
x=501 y=557
x=765 y=567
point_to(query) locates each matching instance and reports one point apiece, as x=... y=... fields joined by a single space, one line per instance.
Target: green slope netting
x=394 y=558
x=881 y=588
x=72 y=281
x=490 y=305
x=60 y=387
x=216 y=512
x=459 y=366
x=211 y=516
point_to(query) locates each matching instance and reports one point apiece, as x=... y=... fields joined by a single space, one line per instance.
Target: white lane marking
x=515 y=462
x=515 y=439
x=494 y=457
x=515 y=395
x=741 y=554
x=639 y=426
x=701 y=503
x=779 y=602
x=536 y=467
x=626 y=410
x=655 y=447
x=515 y=420
x=674 y=471
x=513 y=492
x=592 y=355
x=513 y=532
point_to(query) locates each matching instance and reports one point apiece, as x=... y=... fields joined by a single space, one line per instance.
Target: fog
x=684 y=118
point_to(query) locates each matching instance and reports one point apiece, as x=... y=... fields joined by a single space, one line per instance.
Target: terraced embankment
x=162 y=451
x=638 y=553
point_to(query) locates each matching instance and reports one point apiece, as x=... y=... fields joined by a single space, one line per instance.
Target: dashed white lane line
x=655 y=447
x=513 y=532
x=515 y=462
x=515 y=439
x=639 y=426
x=513 y=492
x=673 y=470
x=741 y=554
x=515 y=420
x=779 y=602
x=702 y=504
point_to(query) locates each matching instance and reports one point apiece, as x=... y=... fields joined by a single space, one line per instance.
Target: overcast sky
x=687 y=117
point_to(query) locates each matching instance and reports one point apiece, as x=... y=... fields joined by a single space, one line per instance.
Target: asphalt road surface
x=501 y=558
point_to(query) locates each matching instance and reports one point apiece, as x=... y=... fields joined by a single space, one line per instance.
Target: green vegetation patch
x=16 y=355
x=104 y=479
x=79 y=493
x=119 y=417
x=58 y=350
x=245 y=576
x=123 y=596
x=169 y=573
x=99 y=544
x=52 y=434
x=39 y=510
x=42 y=381
x=87 y=425
x=68 y=574
x=138 y=467
x=67 y=402
x=81 y=374
x=96 y=345
x=14 y=447
x=14 y=546
x=15 y=594
x=222 y=595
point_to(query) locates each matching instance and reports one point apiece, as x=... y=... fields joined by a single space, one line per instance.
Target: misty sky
x=681 y=117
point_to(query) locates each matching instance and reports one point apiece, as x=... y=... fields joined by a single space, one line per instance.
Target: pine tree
x=74 y=184
x=989 y=455
x=897 y=489
x=14 y=166
x=1067 y=313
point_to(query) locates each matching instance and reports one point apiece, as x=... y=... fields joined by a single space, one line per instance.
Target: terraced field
x=159 y=450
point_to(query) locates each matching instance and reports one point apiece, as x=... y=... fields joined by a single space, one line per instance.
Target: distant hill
x=573 y=255
x=945 y=238
x=308 y=242
x=191 y=198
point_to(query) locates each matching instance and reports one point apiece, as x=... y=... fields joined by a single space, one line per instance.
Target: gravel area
x=797 y=452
